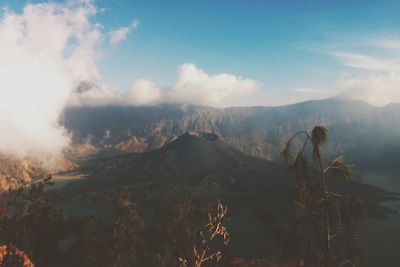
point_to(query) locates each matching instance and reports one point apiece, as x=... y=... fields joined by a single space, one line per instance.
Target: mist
x=44 y=52
x=375 y=89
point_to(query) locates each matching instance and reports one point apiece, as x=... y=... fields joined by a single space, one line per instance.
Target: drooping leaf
x=319 y=134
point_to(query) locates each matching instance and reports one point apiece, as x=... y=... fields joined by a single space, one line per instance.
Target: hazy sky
x=295 y=50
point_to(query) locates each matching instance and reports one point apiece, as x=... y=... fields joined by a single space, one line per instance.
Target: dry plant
x=332 y=217
x=8 y=252
x=215 y=231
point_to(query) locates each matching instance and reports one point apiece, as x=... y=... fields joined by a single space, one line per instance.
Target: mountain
x=358 y=130
x=199 y=159
x=207 y=164
x=203 y=168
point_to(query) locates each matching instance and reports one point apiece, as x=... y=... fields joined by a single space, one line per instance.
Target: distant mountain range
x=363 y=133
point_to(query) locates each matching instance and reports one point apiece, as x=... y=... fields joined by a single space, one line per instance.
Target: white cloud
x=144 y=92
x=195 y=86
x=120 y=34
x=103 y=95
x=376 y=89
x=45 y=51
x=367 y=62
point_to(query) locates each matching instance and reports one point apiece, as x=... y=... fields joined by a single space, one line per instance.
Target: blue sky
x=295 y=49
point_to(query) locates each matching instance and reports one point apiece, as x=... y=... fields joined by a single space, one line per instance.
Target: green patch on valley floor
x=60 y=181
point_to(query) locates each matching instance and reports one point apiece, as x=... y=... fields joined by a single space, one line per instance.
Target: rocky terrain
x=15 y=173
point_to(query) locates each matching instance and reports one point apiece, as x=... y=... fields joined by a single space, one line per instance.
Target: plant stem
x=326 y=211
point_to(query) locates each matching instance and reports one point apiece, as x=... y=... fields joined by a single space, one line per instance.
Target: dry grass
x=215 y=229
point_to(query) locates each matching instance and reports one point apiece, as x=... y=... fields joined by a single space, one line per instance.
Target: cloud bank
x=376 y=89
x=142 y=93
x=44 y=51
x=193 y=86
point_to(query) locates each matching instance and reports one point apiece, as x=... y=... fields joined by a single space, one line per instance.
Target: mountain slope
x=204 y=168
x=360 y=131
x=212 y=169
x=193 y=159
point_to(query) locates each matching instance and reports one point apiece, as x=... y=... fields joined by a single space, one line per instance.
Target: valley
x=202 y=168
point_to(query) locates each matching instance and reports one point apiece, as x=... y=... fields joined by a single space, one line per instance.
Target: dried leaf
x=341 y=169
x=319 y=134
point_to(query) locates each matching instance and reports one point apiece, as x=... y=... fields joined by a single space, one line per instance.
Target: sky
x=296 y=50
x=285 y=45
x=210 y=52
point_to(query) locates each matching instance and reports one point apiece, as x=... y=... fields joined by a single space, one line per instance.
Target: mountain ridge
x=357 y=129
